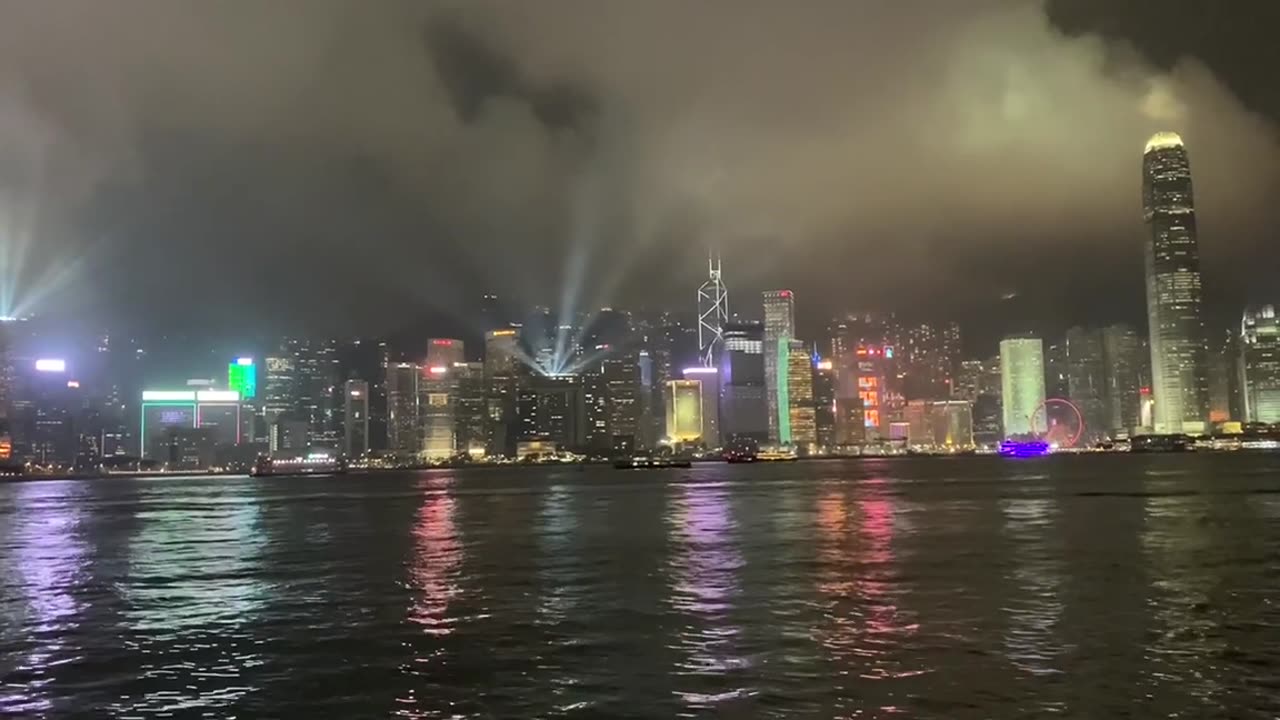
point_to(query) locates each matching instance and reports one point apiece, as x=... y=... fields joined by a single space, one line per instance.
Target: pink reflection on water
x=705 y=564
x=437 y=559
x=866 y=626
x=433 y=572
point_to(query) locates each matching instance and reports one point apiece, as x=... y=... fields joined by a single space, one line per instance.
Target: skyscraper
x=869 y=380
x=1056 y=384
x=1259 y=366
x=501 y=370
x=713 y=312
x=595 y=409
x=802 y=416
x=550 y=408
x=743 y=409
x=279 y=387
x=780 y=322
x=710 y=392
x=621 y=372
x=1022 y=383
x=684 y=410
x=1087 y=381
x=1123 y=353
x=470 y=410
x=1179 y=356
x=356 y=418
x=824 y=400
x=927 y=356
x=779 y=329
x=402 y=408
x=436 y=397
x=444 y=352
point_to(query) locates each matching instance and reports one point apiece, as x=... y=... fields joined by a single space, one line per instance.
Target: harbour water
x=1090 y=587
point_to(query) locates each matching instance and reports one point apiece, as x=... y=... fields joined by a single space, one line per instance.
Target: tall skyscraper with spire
x=1179 y=355
x=713 y=312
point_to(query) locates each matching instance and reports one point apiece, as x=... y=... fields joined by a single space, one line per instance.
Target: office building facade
x=1179 y=355
x=1022 y=384
x=779 y=329
x=1259 y=364
x=356 y=418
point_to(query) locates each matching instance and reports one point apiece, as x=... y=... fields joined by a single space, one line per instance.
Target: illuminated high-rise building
x=799 y=396
x=242 y=376
x=280 y=387
x=490 y=312
x=868 y=379
x=302 y=382
x=403 y=437
x=1087 y=381
x=1123 y=353
x=356 y=418
x=502 y=368
x=744 y=411
x=445 y=352
x=710 y=395
x=713 y=312
x=8 y=372
x=1179 y=356
x=595 y=409
x=850 y=425
x=944 y=425
x=1022 y=383
x=779 y=329
x=684 y=410
x=1056 y=383
x=824 y=404
x=214 y=413
x=436 y=399
x=621 y=371
x=1259 y=365
x=927 y=357
x=470 y=409
x=550 y=408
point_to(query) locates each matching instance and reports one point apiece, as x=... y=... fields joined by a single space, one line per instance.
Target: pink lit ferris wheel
x=1058 y=422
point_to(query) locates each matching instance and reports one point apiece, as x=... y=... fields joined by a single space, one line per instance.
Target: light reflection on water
x=1179 y=545
x=48 y=564
x=864 y=627
x=1034 y=608
x=1095 y=587
x=704 y=563
x=434 y=579
x=437 y=560
x=193 y=589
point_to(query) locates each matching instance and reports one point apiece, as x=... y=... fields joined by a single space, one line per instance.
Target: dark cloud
x=346 y=163
x=473 y=72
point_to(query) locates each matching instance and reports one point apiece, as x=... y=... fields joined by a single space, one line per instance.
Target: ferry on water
x=313 y=463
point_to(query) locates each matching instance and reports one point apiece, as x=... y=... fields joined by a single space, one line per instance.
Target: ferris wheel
x=1058 y=422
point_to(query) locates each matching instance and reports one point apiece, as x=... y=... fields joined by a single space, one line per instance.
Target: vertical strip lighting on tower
x=713 y=311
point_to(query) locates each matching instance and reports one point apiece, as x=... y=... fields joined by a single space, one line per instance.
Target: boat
x=1161 y=443
x=777 y=456
x=314 y=463
x=1024 y=448
x=644 y=461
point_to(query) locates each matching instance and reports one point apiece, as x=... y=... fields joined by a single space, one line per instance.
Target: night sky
x=346 y=165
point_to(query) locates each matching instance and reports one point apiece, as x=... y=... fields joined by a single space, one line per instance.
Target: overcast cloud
x=354 y=163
